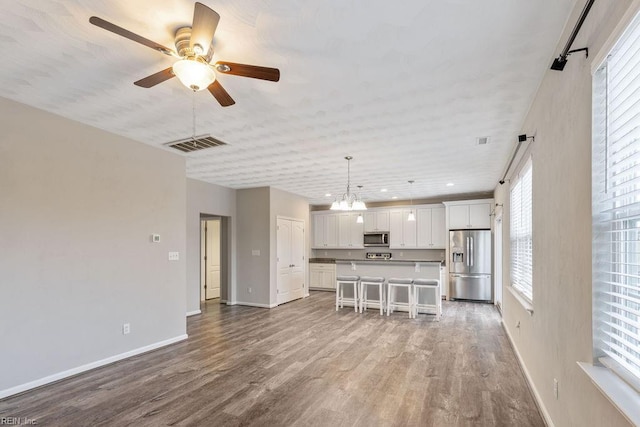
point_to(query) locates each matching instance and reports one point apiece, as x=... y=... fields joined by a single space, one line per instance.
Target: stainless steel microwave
x=376 y=238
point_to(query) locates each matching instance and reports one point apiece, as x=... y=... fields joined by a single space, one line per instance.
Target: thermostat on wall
x=155 y=238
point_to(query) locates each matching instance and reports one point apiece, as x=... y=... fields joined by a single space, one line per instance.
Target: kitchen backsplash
x=426 y=254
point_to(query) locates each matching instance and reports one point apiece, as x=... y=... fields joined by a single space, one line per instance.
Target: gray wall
x=288 y=205
x=559 y=332
x=77 y=209
x=253 y=233
x=209 y=199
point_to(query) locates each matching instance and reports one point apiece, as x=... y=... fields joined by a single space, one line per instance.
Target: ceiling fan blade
x=220 y=94
x=205 y=22
x=156 y=78
x=99 y=22
x=253 y=71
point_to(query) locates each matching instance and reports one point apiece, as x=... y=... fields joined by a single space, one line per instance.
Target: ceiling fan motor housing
x=183 y=44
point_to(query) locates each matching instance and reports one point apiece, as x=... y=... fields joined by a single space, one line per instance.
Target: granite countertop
x=361 y=260
x=322 y=260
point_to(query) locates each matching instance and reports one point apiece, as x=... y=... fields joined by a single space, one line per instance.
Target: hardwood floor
x=304 y=364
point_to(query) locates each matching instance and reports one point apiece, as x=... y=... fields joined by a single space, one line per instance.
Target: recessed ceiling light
x=450 y=184
x=394 y=197
x=327 y=195
x=384 y=190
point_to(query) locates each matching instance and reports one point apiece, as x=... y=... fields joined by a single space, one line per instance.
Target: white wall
x=78 y=207
x=559 y=333
x=209 y=199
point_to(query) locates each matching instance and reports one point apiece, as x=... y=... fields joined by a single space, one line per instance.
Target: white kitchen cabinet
x=325 y=230
x=476 y=215
x=350 y=231
x=376 y=220
x=431 y=228
x=322 y=276
x=402 y=232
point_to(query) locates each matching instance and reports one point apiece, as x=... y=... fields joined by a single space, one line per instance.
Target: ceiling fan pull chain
x=193 y=110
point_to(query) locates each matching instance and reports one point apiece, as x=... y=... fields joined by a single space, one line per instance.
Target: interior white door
x=290 y=264
x=297 y=260
x=212 y=245
x=283 y=243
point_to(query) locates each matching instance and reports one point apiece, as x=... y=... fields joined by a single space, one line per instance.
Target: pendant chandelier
x=350 y=201
x=411 y=216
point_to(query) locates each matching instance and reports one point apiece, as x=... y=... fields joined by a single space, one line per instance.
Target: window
x=616 y=208
x=521 y=233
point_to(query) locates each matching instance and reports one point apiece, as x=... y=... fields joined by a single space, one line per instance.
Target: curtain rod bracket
x=561 y=61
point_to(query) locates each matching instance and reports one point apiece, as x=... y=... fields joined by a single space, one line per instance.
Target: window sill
x=526 y=304
x=619 y=393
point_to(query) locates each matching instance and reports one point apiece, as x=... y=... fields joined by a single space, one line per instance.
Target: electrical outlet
x=126 y=328
x=555 y=388
x=249 y=290
x=401 y=253
x=174 y=256
x=518 y=324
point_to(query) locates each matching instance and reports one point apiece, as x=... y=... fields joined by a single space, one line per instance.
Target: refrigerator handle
x=467 y=251
x=471 y=252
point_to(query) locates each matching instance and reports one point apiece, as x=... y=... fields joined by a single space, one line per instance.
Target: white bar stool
x=341 y=281
x=432 y=285
x=365 y=282
x=392 y=285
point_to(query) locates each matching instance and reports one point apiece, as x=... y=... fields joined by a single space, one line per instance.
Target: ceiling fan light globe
x=194 y=74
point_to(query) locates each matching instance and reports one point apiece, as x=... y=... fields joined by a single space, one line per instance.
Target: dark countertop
x=361 y=260
x=322 y=260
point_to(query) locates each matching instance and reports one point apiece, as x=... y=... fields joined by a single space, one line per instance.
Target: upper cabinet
x=325 y=230
x=350 y=231
x=376 y=220
x=469 y=214
x=431 y=228
x=402 y=232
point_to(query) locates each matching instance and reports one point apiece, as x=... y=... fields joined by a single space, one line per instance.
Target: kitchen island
x=414 y=269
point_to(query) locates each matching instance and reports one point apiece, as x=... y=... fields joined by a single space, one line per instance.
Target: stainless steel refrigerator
x=470 y=265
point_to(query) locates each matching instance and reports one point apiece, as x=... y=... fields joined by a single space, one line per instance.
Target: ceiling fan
x=194 y=50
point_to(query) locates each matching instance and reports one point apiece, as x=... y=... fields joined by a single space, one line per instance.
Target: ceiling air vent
x=195 y=143
x=482 y=140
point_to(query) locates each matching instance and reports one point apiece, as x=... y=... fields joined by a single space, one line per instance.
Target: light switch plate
x=174 y=256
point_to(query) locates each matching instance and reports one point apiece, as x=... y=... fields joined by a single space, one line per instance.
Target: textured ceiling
x=403 y=87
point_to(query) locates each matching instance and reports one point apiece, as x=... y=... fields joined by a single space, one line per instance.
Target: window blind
x=616 y=206
x=521 y=232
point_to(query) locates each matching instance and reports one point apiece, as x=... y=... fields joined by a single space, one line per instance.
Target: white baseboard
x=532 y=387
x=74 y=371
x=193 y=313
x=254 y=304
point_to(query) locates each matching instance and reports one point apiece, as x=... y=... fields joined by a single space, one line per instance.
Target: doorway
x=210 y=258
x=498 y=262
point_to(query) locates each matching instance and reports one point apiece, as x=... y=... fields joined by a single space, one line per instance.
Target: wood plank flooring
x=304 y=364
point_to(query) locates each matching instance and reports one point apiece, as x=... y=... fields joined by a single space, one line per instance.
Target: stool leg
x=380 y=296
x=355 y=296
x=410 y=292
x=388 y=298
x=337 y=294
